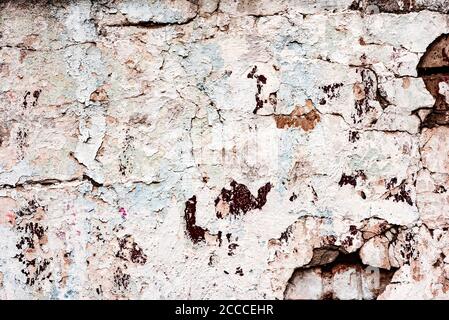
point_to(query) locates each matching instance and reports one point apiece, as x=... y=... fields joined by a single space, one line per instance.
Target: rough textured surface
x=223 y=149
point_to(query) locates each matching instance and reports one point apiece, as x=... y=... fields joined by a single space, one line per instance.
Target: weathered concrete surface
x=222 y=149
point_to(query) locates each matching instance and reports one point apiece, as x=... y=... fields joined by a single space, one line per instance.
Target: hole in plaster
x=337 y=275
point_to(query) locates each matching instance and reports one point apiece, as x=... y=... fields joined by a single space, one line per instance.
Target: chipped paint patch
x=304 y=117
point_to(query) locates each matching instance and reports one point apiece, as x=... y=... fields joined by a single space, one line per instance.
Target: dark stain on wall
x=239 y=199
x=433 y=67
x=352 y=178
x=22 y=142
x=231 y=248
x=125 y=161
x=399 y=193
x=286 y=234
x=354 y=136
x=236 y=201
x=440 y=189
x=31 y=98
x=30 y=209
x=121 y=279
x=239 y=271
x=261 y=80
x=32 y=235
x=196 y=233
x=408 y=250
x=129 y=250
x=332 y=90
x=364 y=93
x=293 y=197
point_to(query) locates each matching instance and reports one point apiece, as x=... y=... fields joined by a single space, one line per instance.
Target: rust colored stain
x=99 y=95
x=405 y=83
x=305 y=118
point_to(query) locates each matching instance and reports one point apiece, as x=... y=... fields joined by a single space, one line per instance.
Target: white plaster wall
x=122 y=122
